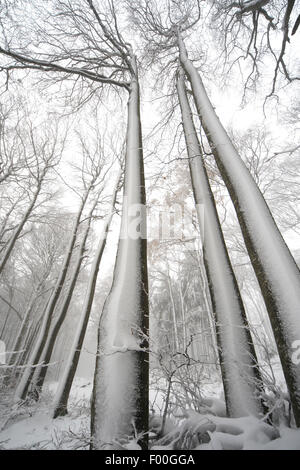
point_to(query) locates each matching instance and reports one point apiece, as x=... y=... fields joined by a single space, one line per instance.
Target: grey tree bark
x=121 y=382
x=274 y=266
x=64 y=388
x=241 y=378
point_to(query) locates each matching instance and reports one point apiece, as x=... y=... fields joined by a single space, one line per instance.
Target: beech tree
x=93 y=177
x=98 y=171
x=270 y=257
x=238 y=360
x=62 y=394
x=41 y=255
x=94 y=50
x=268 y=252
x=40 y=154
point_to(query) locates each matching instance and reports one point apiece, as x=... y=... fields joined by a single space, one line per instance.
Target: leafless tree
x=253 y=28
x=81 y=42
x=265 y=244
x=39 y=151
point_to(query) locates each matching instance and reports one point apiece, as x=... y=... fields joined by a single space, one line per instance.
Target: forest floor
x=32 y=427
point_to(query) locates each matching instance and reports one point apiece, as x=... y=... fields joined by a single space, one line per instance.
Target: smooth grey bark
x=173 y=311
x=274 y=266
x=25 y=321
x=240 y=374
x=121 y=382
x=115 y=57
x=63 y=392
x=19 y=341
x=22 y=389
x=40 y=374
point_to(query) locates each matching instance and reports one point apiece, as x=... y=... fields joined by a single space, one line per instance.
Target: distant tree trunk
x=19 y=341
x=121 y=382
x=5 y=323
x=274 y=266
x=240 y=374
x=10 y=245
x=183 y=315
x=40 y=374
x=22 y=389
x=173 y=310
x=30 y=338
x=63 y=392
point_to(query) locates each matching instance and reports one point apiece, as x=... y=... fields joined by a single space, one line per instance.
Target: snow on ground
x=42 y=432
x=208 y=432
x=32 y=427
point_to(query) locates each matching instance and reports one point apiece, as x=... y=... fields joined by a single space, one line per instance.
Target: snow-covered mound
x=209 y=432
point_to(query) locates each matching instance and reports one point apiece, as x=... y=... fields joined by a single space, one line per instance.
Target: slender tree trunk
x=183 y=316
x=173 y=310
x=274 y=266
x=5 y=323
x=63 y=392
x=240 y=374
x=121 y=382
x=19 y=341
x=31 y=336
x=166 y=407
x=40 y=374
x=22 y=389
x=15 y=236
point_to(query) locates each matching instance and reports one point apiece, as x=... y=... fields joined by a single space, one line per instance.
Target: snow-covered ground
x=32 y=427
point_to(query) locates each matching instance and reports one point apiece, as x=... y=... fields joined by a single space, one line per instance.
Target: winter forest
x=149 y=224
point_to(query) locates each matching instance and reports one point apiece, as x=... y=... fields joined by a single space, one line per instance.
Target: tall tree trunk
x=121 y=382
x=63 y=392
x=240 y=374
x=274 y=266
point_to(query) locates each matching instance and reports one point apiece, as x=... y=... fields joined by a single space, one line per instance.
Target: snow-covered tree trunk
x=31 y=336
x=20 y=339
x=173 y=311
x=207 y=302
x=22 y=333
x=274 y=266
x=239 y=368
x=40 y=374
x=22 y=389
x=183 y=315
x=63 y=392
x=121 y=382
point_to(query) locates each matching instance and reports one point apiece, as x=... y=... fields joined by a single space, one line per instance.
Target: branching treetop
x=75 y=38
